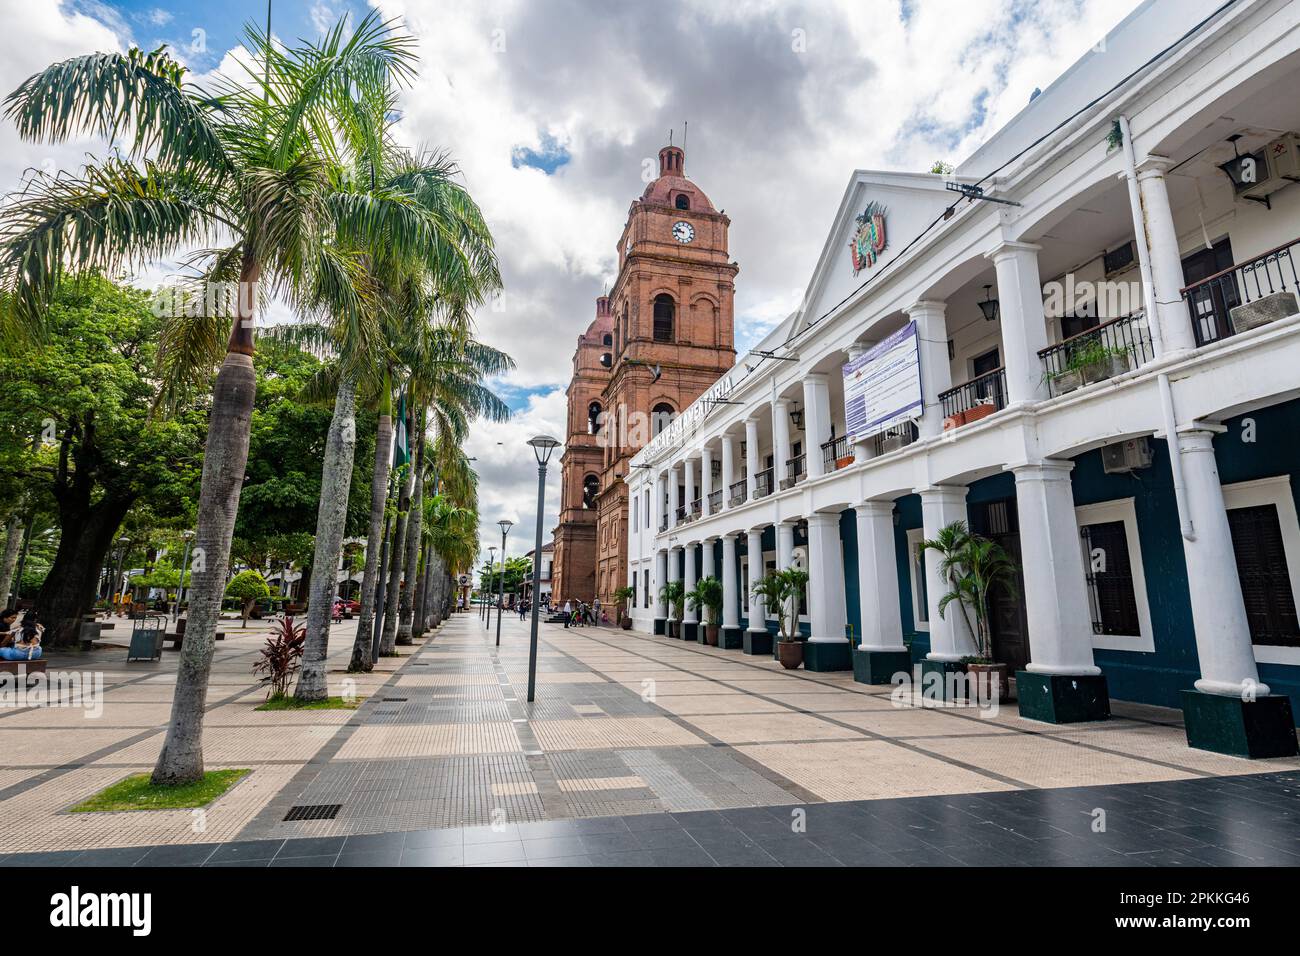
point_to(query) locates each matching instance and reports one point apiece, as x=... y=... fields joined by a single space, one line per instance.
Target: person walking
x=568 y=612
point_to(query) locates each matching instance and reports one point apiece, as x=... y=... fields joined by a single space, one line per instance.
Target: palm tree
x=706 y=597
x=360 y=353
x=260 y=167
x=972 y=566
x=673 y=594
x=783 y=591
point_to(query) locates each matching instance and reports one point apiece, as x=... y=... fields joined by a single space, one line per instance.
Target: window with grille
x=1265 y=578
x=664 y=315
x=1110 y=579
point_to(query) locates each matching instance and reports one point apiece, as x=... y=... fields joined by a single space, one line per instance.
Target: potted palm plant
x=972 y=566
x=783 y=590
x=624 y=595
x=706 y=598
x=673 y=594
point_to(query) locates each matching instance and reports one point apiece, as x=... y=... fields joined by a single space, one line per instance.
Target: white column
x=780 y=440
x=1056 y=591
x=673 y=575
x=950 y=637
x=1166 y=263
x=826 y=608
x=728 y=469
x=817 y=420
x=785 y=557
x=688 y=582
x=751 y=458
x=730 y=583
x=1024 y=327
x=657 y=502
x=936 y=370
x=657 y=579
x=757 y=618
x=690 y=483
x=1223 y=643
x=882 y=617
x=674 y=494
x=706 y=478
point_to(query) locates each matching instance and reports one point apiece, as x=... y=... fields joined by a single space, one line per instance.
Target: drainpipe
x=1186 y=528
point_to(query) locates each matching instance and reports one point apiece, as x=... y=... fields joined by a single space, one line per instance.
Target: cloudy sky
x=554 y=107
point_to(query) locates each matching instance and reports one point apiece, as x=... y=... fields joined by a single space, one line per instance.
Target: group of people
x=581 y=614
x=20 y=642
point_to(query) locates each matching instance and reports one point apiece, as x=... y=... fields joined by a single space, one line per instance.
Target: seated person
x=26 y=642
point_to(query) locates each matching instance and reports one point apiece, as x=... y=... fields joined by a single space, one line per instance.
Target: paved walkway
x=633 y=733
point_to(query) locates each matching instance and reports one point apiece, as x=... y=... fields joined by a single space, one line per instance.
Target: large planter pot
x=790 y=654
x=981 y=679
x=1067 y=381
x=955 y=420
x=711 y=635
x=674 y=628
x=625 y=623
x=982 y=410
x=1100 y=371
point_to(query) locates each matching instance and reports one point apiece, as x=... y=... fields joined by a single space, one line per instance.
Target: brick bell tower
x=671 y=307
x=573 y=572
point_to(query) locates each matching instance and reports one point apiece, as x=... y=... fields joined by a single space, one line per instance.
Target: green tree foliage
x=78 y=425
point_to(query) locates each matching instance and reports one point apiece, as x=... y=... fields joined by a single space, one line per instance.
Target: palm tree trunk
x=374 y=541
x=418 y=623
x=225 y=456
x=406 y=604
x=388 y=640
x=331 y=516
x=13 y=543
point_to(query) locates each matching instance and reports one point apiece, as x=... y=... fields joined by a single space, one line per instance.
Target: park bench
x=178 y=638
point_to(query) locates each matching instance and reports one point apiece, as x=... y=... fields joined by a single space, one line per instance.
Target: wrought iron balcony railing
x=835 y=451
x=1099 y=353
x=1219 y=305
x=976 y=399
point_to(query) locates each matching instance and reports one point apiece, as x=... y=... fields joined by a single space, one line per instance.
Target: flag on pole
x=401 y=448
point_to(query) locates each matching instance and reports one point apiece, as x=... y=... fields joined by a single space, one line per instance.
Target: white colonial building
x=1084 y=343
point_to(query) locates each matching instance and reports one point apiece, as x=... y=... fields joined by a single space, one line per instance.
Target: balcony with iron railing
x=715 y=501
x=1245 y=296
x=836 y=454
x=796 y=470
x=663 y=524
x=763 y=482
x=892 y=439
x=737 y=493
x=681 y=513
x=1096 y=354
x=697 y=508
x=973 y=400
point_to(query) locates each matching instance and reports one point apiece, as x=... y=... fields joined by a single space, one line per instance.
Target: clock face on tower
x=683 y=232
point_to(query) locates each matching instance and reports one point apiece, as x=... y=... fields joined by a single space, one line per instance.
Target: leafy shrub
x=281 y=657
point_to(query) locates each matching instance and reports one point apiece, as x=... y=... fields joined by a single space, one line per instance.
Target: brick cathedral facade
x=659 y=339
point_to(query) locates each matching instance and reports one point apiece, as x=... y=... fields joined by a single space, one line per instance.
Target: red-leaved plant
x=281 y=657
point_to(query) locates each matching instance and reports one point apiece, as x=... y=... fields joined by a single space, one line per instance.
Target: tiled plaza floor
x=685 y=753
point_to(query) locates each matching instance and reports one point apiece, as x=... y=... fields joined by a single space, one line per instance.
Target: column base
x=879 y=667
x=1258 y=728
x=731 y=638
x=690 y=630
x=936 y=683
x=1062 y=698
x=758 y=642
x=661 y=625
x=827 y=656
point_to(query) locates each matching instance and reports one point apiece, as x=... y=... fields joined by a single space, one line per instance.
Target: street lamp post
x=492 y=569
x=543 y=446
x=185 y=564
x=504 y=524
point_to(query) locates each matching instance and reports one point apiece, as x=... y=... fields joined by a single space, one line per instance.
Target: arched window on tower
x=607 y=340
x=683 y=201
x=660 y=416
x=593 y=418
x=665 y=315
x=590 y=488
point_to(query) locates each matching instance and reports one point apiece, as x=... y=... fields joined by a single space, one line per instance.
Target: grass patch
x=137 y=793
x=293 y=703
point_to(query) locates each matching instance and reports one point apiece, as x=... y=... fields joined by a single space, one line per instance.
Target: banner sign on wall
x=882 y=387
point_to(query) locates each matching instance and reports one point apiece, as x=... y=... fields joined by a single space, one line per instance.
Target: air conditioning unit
x=1126 y=456
x=1259 y=174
